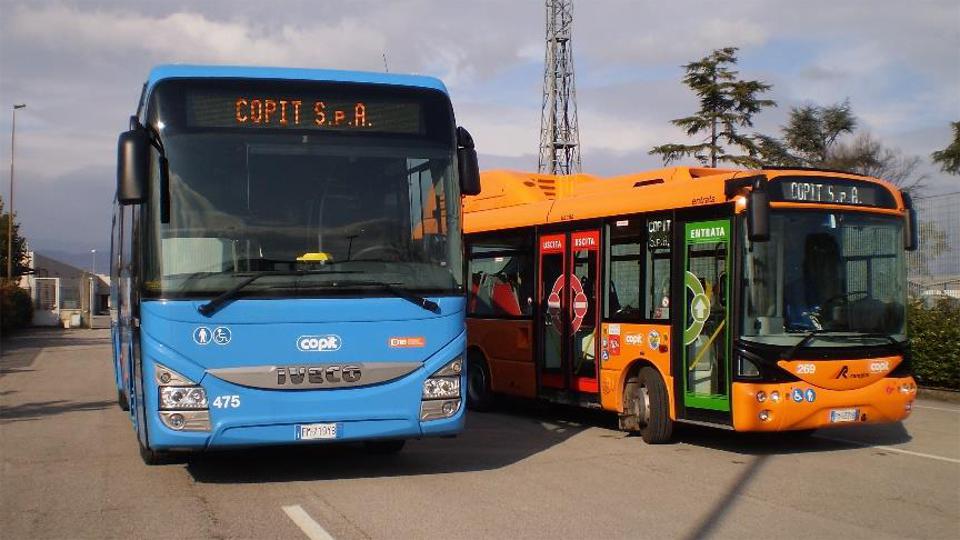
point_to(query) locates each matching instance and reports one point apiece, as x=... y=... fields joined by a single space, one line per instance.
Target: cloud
x=191 y=37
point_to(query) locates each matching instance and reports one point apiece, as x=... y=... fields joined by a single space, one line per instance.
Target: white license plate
x=312 y=432
x=844 y=415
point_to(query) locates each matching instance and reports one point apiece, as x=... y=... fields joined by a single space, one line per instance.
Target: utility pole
x=559 y=132
x=13 y=138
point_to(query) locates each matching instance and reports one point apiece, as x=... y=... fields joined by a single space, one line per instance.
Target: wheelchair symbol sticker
x=221 y=335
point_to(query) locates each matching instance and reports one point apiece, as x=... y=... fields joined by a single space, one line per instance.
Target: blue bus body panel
x=175 y=71
x=266 y=333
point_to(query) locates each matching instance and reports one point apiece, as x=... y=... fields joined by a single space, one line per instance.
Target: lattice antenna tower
x=559 y=132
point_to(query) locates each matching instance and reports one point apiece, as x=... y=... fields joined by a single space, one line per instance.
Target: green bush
x=935 y=342
x=16 y=307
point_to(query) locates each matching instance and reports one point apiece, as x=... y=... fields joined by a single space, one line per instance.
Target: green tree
x=19 y=245
x=814 y=136
x=727 y=104
x=949 y=157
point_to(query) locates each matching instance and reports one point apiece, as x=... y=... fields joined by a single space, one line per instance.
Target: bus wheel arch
x=478 y=393
x=646 y=403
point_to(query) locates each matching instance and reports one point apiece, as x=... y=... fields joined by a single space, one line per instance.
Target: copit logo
x=408 y=342
x=324 y=343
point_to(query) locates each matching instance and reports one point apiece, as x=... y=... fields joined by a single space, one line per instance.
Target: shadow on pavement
x=35 y=410
x=788 y=442
x=491 y=441
x=20 y=350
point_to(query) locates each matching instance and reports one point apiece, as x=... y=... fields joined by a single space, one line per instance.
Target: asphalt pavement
x=69 y=468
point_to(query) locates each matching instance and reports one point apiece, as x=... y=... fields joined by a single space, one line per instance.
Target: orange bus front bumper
x=798 y=405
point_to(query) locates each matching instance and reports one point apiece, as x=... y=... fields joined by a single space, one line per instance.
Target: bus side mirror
x=467 y=165
x=133 y=166
x=758 y=212
x=911 y=226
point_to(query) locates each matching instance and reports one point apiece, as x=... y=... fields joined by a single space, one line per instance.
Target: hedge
x=935 y=342
x=16 y=307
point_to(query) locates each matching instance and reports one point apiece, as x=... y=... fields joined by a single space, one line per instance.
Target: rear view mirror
x=911 y=226
x=133 y=166
x=758 y=212
x=467 y=165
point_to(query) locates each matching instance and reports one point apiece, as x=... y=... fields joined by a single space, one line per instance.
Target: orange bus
x=768 y=300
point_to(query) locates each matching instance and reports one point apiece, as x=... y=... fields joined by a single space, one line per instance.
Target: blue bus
x=287 y=262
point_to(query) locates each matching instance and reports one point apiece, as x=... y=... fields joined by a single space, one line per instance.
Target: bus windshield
x=838 y=274
x=320 y=205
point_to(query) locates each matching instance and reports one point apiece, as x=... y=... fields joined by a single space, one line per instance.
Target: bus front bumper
x=799 y=406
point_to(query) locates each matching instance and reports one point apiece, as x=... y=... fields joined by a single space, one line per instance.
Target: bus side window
x=657 y=284
x=624 y=265
x=501 y=276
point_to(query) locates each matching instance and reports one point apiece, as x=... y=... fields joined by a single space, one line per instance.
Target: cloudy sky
x=80 y=65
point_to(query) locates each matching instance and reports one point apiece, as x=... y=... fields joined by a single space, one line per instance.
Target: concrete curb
x=952 y=396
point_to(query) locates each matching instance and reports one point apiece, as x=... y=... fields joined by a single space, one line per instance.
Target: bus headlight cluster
x=182 y=402
x=441 y=392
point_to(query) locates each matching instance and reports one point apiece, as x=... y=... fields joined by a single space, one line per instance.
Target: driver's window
x=625 y=252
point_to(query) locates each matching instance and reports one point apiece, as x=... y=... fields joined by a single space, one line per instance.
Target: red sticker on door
x=580 y=303
x=553 y=304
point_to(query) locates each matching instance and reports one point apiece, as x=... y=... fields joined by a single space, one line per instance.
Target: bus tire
x=384 y=447
x=656 y=427
x=122 y=400
x=479 y=396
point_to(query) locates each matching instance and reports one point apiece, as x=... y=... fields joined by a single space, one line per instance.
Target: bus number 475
x=227 y=402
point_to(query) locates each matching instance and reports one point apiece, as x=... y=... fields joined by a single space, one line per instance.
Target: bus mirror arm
x=758 y=205
x=467 y=165
x=911 y=226
x=133 y=167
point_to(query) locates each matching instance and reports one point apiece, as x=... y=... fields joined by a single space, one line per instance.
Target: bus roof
x=179 y=71
x=512 y=199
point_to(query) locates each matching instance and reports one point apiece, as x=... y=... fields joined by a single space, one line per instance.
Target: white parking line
x=311 y=528
x=915 y=406
x=892 y=449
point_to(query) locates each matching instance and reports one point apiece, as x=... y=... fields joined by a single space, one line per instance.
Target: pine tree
x=814 y=137
x=949 y=157
x=726 y=105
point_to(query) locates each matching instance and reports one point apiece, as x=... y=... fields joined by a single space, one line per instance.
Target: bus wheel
x=479 y=397
x=122 y=400
x=385 y=447
x=656 y=427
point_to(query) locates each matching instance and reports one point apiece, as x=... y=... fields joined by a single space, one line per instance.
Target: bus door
x=568 y=292
x=705 y=356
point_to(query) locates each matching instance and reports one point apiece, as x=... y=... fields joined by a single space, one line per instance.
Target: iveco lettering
x=274 y=231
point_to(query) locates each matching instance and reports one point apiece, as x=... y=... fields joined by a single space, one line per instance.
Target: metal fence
x=933 y=270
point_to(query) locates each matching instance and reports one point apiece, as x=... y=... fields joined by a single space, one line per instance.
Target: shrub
x=16 y=307
x=935 y=342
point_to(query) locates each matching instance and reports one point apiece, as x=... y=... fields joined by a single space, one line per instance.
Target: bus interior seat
x=504 y=298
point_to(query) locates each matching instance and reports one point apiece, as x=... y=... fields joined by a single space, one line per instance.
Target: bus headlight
x=182 y=402
x=441 y=392
x=183 y=397
x=441 y=388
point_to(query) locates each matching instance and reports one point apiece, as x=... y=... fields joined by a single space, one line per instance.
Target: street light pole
x=93 y=266
x=13 y=136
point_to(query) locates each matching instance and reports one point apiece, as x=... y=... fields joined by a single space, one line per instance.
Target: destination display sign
x=313 y=112
x=831 y=191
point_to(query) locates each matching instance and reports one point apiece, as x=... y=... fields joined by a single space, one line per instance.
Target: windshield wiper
x=421 y=301
x=888 y=337
x=802 y=343
x=214 y=305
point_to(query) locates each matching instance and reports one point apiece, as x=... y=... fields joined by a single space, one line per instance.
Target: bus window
x=501 y=277
x=658 y=268
x=624 y=263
